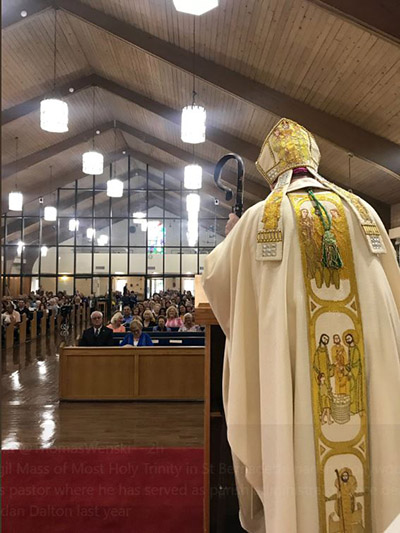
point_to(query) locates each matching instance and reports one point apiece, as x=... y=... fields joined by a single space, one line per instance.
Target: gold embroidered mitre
x=288 y=145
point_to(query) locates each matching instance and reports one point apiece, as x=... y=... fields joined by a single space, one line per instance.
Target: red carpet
x=127 y=490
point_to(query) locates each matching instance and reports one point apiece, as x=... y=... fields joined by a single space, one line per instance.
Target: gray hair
x=94 y=312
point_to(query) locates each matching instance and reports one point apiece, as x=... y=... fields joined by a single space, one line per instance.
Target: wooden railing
x=131 y=373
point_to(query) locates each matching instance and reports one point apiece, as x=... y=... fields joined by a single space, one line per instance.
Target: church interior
x=115 y=114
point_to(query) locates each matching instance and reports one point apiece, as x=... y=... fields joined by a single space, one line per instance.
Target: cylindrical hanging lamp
x=50 y=213
x=193 y=177
x=93 y=163
x=15 y=201
x=54 y=115
x=193 y=125
x=195 y=7
x=115 y=188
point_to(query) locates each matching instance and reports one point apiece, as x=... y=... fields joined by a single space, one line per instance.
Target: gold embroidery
x=269 y=236
x=288 y=145
x=337 y=372
x=371 y=229
x=272 y=210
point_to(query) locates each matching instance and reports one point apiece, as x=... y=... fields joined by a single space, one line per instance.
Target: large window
x=97 y=241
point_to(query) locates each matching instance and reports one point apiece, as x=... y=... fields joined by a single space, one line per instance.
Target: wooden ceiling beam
x=362 y=143
x=41 y=155
x=215 y=135
x=380 y=16
x=11 y=10
x=257 y=191
x=29 y=106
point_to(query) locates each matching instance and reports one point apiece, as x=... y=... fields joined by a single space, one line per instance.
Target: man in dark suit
x=98 y=335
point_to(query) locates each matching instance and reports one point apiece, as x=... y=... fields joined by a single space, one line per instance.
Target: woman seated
x=136 y=337
x=173 y=320
x=161 y=325
x=10 y=316
x=188 y=324
x=148 y=319
x=116 y=323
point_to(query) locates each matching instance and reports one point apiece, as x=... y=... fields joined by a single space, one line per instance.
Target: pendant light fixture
x=193 y=123
x=93 y=161
x=193 y=208
x=73 y=224
x=50 y=212
x=193 y=177
x=15 y=198
x=20 y=248
x=90 y=233
x=195 y=7
x=102 y=240
x=53 y=111
x=115 y=187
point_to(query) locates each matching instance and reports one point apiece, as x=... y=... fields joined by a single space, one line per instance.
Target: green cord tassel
x=331 y=257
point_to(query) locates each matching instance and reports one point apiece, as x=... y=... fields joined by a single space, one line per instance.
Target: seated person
x=116 y=323
x=97 y=335
x=188 y=324
x=136 y=337
x=161 y=325
x=148 y=319
x=136 y=312
x=23 y=310
x=10 y=316
x=182 y=311
x=127 y=315
x=173 y=320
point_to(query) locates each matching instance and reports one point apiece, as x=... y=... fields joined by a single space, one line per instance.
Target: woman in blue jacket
x=136 y=337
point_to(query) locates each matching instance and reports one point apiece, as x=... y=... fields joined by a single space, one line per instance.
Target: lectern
x=221 y=508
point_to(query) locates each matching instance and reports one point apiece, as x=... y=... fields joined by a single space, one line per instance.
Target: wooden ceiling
x=321 y=62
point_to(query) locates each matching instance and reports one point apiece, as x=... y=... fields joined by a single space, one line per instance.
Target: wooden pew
x=34 y=325
x=43 y=325
x=22 y=329
x=10 y=335
x=145 y=373
x=52 y=322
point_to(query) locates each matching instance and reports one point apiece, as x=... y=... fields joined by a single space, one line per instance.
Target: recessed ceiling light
x=24 y=13
x=123 y=152
x=98 y=132
x=71 y=89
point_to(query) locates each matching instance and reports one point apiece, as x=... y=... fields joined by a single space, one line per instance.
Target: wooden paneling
x=27 y=57
x=131 y=373
x=171 y=375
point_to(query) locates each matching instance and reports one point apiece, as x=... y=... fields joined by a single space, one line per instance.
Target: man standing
x=127 y=315
x=97 y=335
x=285 y=456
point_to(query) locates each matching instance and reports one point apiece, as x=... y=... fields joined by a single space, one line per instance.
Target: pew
x=43 y=324
x=52 y=322
x=34 y=325
x=22 y=329
x=59 y=320
x=10 y=335
x=133 y=373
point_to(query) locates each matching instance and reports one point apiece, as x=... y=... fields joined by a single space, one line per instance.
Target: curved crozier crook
x=238 y=206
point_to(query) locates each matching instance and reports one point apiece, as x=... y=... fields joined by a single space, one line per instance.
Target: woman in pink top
x=173 y=320
x=116 y=323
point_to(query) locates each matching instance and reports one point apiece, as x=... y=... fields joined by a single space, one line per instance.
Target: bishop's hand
x=233 y=220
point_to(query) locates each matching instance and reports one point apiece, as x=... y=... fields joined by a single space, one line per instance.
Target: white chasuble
x=311 y=378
